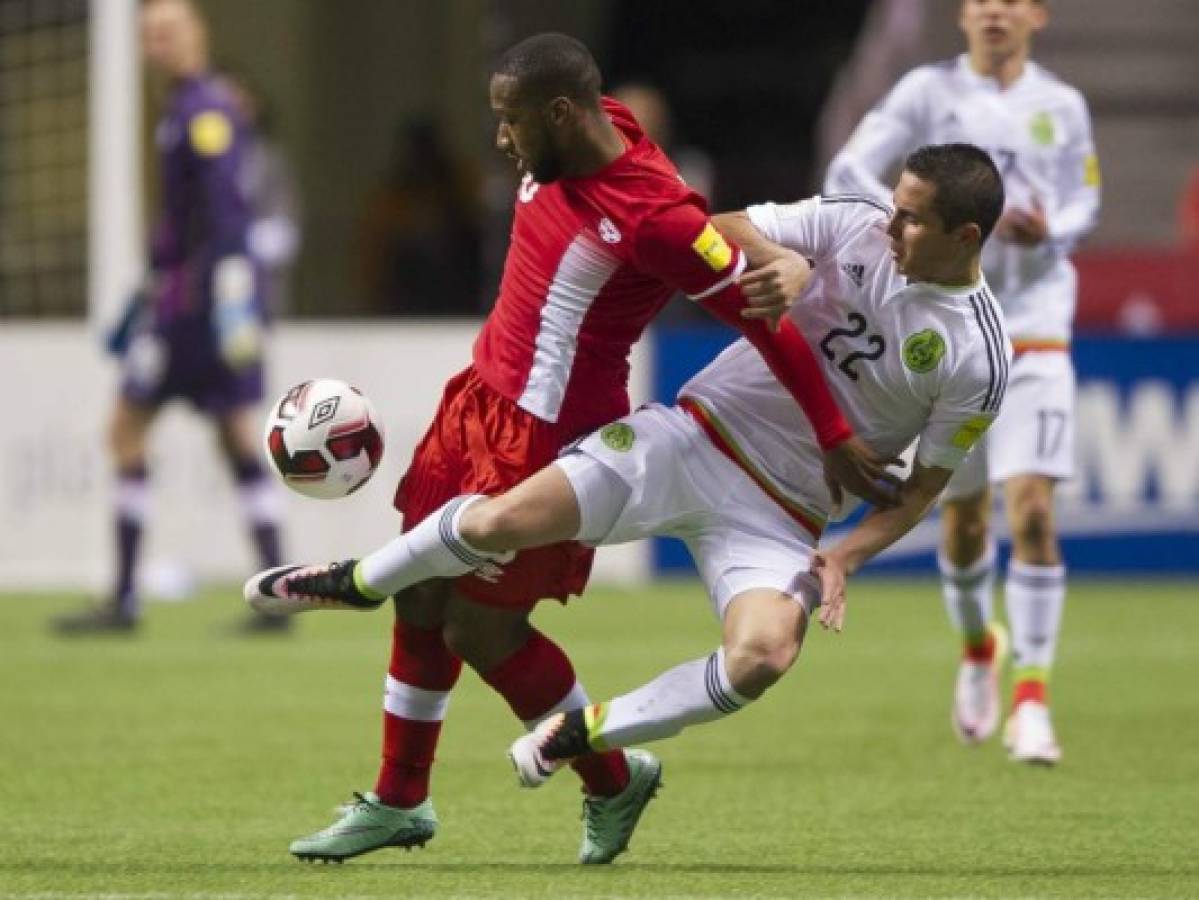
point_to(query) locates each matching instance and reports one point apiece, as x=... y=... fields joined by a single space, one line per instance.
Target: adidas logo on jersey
x=855 y=271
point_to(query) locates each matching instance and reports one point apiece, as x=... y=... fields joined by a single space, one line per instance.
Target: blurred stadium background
x=402 y=205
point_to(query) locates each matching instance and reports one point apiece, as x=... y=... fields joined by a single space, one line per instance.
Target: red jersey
x=591 y=261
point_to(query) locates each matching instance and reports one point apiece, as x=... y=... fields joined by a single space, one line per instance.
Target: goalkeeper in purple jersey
x=197 y=331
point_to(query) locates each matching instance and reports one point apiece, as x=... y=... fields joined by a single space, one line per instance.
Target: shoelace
x=593 y=808
x=360 y=802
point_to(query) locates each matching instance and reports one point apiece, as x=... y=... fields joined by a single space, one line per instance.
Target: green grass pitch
x=180 y=762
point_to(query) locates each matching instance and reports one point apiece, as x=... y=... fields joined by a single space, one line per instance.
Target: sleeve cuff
x=764 y=217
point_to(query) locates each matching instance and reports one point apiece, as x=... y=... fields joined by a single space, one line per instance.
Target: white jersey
x=1038 y=132
x=903 y=360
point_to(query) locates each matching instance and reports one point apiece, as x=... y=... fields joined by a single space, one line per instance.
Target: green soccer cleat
x=608 y=822
x=368 y=825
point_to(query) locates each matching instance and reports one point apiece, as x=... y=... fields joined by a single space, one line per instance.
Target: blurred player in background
x=1038 y=131
x=420 y=234
x=651 y=109
x=270 y=187
x=604 y=233
x=199 y=335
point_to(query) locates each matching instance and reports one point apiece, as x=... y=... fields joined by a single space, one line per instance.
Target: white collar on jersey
x=965 y=70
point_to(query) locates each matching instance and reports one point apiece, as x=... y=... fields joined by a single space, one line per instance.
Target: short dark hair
x=969 y=186
x=553 y=65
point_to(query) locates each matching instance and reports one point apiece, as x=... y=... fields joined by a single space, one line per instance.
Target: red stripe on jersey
x=712 y=429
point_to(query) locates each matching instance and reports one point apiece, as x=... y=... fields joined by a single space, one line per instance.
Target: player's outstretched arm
x=879 y=530
x=775 y=275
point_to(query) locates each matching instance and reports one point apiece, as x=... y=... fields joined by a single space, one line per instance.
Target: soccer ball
x=324 y=438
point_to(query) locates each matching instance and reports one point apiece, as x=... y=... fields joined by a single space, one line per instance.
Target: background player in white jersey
x=913 y=347
x=1038 y=131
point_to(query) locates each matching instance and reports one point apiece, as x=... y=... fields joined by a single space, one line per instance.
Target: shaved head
x=551 y=65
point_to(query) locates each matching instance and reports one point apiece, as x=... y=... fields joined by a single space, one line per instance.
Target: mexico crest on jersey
x=618 y=436
x=1040 y=127
x=923 y=350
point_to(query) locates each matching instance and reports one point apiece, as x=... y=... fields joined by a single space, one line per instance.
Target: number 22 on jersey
x=875 y=345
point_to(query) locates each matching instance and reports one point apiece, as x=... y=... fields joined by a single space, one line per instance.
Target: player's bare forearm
x=758 y=249
x=775 y=275
x=883 y=527
x=877 y=531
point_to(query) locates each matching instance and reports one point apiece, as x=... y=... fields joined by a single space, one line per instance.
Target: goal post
x=115 y=242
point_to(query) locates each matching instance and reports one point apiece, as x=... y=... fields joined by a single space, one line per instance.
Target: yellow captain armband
x=210 y=132
x=713 y=248
x=1090 y=171
x=967 y=436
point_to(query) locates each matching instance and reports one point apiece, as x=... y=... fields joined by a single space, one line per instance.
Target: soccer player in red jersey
x=604 y=233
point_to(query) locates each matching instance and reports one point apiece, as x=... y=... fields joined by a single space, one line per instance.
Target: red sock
x=423 y=672
x=1036 y=691
x=983 y=651
x=534 y=680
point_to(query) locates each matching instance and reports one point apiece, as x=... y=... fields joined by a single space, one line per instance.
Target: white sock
x=1035 y=596
x=967 y=592
x=433 y=549
x=261 y=501
x=695 y=692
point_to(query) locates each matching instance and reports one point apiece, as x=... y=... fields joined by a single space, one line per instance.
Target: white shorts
x=674 y=482
x=1034 y=432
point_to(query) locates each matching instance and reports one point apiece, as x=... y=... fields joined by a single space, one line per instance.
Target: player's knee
x=757 y=661
x=483 y=644
x=966 y=545
x=965 y=531
x=489 y=524
x=1033 y=524
x=463 y=640
x=124 y=444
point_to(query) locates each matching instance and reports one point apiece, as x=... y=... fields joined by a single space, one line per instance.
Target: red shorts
x=483 y=443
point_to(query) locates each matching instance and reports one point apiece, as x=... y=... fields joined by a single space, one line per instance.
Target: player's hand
x=771 y=289
x=831 y=571
x=854 y=467
x=1026 y=227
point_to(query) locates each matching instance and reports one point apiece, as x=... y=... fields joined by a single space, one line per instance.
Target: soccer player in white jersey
x=1038 y=131
x=913 y=347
